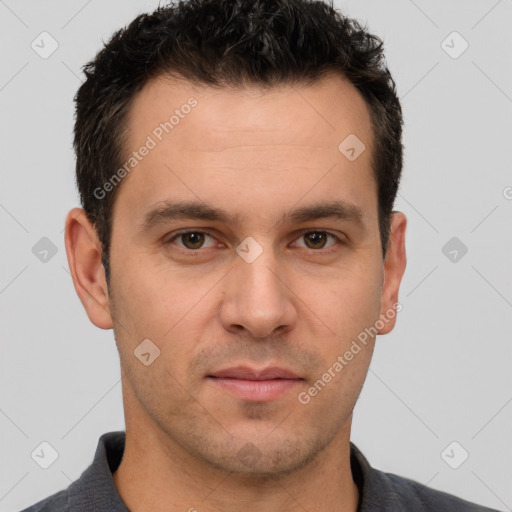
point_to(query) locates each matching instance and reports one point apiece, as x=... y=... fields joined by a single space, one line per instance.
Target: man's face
x=294 y=296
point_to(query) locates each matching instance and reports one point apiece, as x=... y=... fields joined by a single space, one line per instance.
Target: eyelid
x=321 y=230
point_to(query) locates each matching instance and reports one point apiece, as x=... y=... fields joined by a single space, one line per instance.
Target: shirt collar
x=95 y=489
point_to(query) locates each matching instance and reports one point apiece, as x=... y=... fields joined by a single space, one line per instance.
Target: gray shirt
x=378 y=491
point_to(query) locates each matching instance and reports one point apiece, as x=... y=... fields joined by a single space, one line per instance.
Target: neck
x=156 y=474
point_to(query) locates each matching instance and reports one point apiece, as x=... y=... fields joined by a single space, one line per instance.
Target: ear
x=394 y=267
x=84 y=250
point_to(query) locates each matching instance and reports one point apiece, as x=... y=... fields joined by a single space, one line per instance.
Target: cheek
x=348 y=312
x=171 y=310
x=150 y=299
x=348 y=301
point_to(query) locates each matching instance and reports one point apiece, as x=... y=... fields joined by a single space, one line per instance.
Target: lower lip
x=256 y=390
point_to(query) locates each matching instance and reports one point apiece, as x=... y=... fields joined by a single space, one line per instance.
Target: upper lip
x=247 y=373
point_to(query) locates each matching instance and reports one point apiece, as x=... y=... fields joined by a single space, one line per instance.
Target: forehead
x=324 y=112
x=245 y=143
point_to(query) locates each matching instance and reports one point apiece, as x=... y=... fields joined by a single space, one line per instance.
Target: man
x=237 y=164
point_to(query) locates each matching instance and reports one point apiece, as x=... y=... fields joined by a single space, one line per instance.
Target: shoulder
x=94 y=489
x=415 y=496
x=387 y=492
x=57 y=502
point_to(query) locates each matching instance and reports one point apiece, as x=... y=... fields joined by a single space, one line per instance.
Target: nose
x=257 y=298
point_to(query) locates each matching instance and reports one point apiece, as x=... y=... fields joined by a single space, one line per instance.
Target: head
x=271 y=132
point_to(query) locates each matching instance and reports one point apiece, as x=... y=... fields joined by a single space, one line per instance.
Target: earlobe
x=83 y=251
x=394 y=268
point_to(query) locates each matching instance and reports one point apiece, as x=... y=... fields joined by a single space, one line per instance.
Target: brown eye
x=192 y=240
x=315 y=239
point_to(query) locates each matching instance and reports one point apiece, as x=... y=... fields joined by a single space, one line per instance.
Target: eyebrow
x=178 y=210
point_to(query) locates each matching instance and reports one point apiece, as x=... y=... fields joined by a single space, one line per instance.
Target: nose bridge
x=260 y=278
x=256 y=298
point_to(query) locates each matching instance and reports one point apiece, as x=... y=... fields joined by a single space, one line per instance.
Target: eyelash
x=301 y=234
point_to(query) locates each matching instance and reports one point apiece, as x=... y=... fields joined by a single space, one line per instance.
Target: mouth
x=255 y=385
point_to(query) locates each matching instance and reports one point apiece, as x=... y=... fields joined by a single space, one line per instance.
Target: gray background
x=443 y=375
